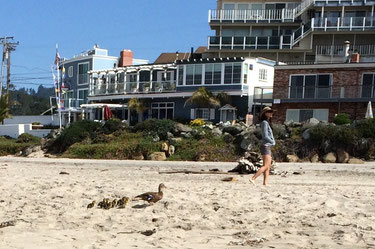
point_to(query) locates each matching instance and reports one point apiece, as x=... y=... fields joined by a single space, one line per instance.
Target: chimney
x=126 y=58
x=192 y=53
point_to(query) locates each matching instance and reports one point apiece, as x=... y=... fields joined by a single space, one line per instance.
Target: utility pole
x=8 y=47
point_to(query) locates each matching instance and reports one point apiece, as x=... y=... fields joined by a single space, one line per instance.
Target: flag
x=63 y=72
x=57 y=58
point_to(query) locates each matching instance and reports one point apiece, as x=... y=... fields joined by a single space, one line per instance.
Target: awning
x=101 y=105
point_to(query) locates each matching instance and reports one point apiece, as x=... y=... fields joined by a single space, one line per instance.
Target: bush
x=113 y=125
x=77 y=132
x=338 y=136
x=366 y=128
x=341 y=119
x=156 y=126
x=27 y=138
x=197 y=122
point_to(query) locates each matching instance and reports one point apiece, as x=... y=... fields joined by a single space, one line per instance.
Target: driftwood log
x=195 y=172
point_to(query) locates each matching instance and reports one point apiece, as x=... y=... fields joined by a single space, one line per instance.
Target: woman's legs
x=265 y=169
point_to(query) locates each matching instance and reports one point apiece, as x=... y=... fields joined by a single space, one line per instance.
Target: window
x=368 y=85
x=194 y=74
x=310 y=86
x=202 y=113
x=180 y=75
x=300 y=115
x=245 y=72
x=232 y=73
x=213 y=74
x=263 y=74
x=83 y=77
x=162 y=110
x=70 y=71
x=120 y=77
x=82 y=96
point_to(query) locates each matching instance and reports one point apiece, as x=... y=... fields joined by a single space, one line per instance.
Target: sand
x=321 y=206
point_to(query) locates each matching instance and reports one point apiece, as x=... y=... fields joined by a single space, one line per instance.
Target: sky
x=147 y=27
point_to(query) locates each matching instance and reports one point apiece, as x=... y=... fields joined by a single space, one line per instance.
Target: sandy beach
x=313 y=206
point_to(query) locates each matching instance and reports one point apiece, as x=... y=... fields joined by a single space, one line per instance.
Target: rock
x=36 y=148
x=209 y=126
x=310 y=123
x=329 y=158
x=164 y=147
x=27 y=151
x=306 y=134
x=185 y=134
x=246 y=144
x=138 y=157
x=354 y=160
x=174 y=140
x=171 y=150
x=200 y=157
x=233 y=129
x=169 y=135
x=182 y=128
x=292 y=158
x=326 y=146
x=217 y=132
x=158 y=156
x=228 y=138
x=342 y=156
x=155 y=138
x=314 y=158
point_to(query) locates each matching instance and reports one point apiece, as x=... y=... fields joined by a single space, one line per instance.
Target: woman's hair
x=264 y=117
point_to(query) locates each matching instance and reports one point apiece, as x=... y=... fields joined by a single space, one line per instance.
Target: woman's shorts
x=265 y=150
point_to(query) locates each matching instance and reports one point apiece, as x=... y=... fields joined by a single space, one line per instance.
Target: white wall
x=14 y=130
x=45 y=120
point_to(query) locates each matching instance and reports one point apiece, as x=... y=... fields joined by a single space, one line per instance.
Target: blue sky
x=147 y=27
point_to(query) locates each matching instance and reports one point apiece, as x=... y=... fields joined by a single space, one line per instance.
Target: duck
x=152 y=197
x=92 y=204
x=123 y=202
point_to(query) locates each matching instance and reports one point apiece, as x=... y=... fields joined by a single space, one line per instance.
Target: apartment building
x=309 y=31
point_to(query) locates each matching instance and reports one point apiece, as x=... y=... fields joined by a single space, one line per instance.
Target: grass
x=13 y=146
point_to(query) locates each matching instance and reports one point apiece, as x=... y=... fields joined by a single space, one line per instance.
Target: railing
x=249 y=42
x=302 y=7
x=73 y=103
x=301 y=32
x=262 y=94
x=339 y=2
x=251 y=15
x=132 y=87
x=339 y=50
x=332 y=92
x=343 y=24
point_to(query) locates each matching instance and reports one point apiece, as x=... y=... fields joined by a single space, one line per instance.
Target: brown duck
x=152 y=197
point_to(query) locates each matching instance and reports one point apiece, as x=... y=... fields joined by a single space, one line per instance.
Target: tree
x=224 y=98
x=4 y=108
x=203 y=98
x=140 y=106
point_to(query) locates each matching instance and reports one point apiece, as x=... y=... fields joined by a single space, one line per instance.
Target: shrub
x=113 y=125
x=197 y=122
x=27 y=138
x=366 y=128
x=159 y=127
x=77 y=132
x=341 y=119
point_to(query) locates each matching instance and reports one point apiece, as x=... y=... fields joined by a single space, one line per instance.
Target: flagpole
x=58 y=86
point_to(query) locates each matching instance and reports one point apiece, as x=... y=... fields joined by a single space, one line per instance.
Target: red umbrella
x=107 y=113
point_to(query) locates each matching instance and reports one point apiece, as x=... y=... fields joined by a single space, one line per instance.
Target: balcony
x=73 y=103
x=263 y=94
x=132 y=88
x=343 y=24
x=249 y=42
x=343 y=2
x=251 y=16
x=339 y=50
x=351 y=93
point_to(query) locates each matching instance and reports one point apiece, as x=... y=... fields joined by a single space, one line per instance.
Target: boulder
x=27 y=151
x=164 y=147
x=217 y=132
x=138 y=157
x=329 y=158
x=200 y=156
x=185 y=134
x=158 y=156
x=182 y=128
x=233 y=129
x=342 y=156
x=169 y=135
x=155 y=138
x=310 y=123
x=171 y=150
x=174 y=140
x=314 y=158
x=209 y=126
x=228 y=138
x=306 y=134
x=354 y=160
x=292 y=158
x=246 y=143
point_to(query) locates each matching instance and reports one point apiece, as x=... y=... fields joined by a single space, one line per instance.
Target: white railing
x=250 y=42
x=343 y=24
x=99 y=88
x=251 y=15
x=72 y=103
x=341 y=1
x=339 y=50
x=302 y=7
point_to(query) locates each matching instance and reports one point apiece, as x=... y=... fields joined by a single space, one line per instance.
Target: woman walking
x=267 y=142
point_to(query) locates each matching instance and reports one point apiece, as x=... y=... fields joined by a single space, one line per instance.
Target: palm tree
x=224 y=98
x=203 y=98
x=140 y=106
x=4 y=108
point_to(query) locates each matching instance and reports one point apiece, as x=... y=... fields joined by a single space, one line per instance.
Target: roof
x=171 y=57
x=325 y=65
x=227 y=107
x=200 y=50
